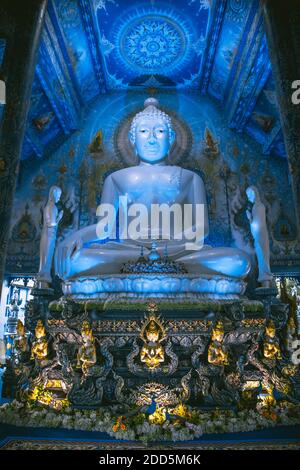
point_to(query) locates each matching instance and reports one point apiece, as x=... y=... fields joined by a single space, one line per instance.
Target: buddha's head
x=151 y=133
x=152 y=332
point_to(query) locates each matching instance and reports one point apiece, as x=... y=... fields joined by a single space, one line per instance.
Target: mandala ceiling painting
x=152 y=42
x=148 y=44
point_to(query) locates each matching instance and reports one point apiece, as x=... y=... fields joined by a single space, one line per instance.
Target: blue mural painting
x=42 y=127
x=234 y=25
x=70 y=20
x=264 y=123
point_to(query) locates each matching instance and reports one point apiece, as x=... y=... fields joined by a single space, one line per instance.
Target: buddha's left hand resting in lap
x=150 y=182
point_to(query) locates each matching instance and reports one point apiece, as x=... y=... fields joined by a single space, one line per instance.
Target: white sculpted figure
x=150 y=182
x=259 y=231
x=51 y=219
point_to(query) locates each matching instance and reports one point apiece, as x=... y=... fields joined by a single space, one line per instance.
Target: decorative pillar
x=282 y=24
x=26 y=21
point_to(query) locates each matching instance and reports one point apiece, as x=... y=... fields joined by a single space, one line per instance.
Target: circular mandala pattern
x=151 y=44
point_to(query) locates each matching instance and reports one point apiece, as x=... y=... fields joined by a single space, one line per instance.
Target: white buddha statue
x=151 y=182
x=51 y=219
x=259 y=231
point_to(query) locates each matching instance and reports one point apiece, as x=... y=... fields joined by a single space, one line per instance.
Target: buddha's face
x=152 y=139
x=152 y=337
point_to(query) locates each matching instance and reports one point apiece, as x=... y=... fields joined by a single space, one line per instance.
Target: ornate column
x=23 y=35
x=282 y=24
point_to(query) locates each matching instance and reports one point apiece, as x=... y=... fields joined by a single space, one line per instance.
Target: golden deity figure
x=217 y=354
x=39 y=348
x=86 y=356
x=20 y=341
x=271 y=348
x=152 y=333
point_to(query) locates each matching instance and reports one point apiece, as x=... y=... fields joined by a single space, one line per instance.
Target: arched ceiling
x=91 y=47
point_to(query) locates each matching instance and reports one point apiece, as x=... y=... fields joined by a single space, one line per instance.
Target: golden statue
x=20 y=341
x=86 y=356
x=39 y=348
x=271 y=348
x=216 y=351
x=152 y=333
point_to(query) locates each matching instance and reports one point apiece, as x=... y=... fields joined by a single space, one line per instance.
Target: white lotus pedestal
x=160 y=286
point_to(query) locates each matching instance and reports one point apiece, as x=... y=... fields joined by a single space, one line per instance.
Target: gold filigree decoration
x=256 y=322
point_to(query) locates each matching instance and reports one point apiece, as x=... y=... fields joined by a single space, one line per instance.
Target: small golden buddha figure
x=39 y=348
x=20 y=341
x=271 y=348
x=152 y=353
x=216 y=351
x=86 y=356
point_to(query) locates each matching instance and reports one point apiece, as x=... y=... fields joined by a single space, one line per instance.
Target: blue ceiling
x=91 y=47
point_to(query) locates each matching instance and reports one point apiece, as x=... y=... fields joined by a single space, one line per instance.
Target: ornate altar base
x=206 y=353
x=154 y=360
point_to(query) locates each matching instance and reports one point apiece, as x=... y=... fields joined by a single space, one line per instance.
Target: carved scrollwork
x=186 y=387
x=105 y=344
x=87 y=393
x=119 y=394
x=130 y=360
x=173 y=365
x=196 y=354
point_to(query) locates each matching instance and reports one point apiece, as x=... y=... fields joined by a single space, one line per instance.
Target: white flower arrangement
x=104 y=420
